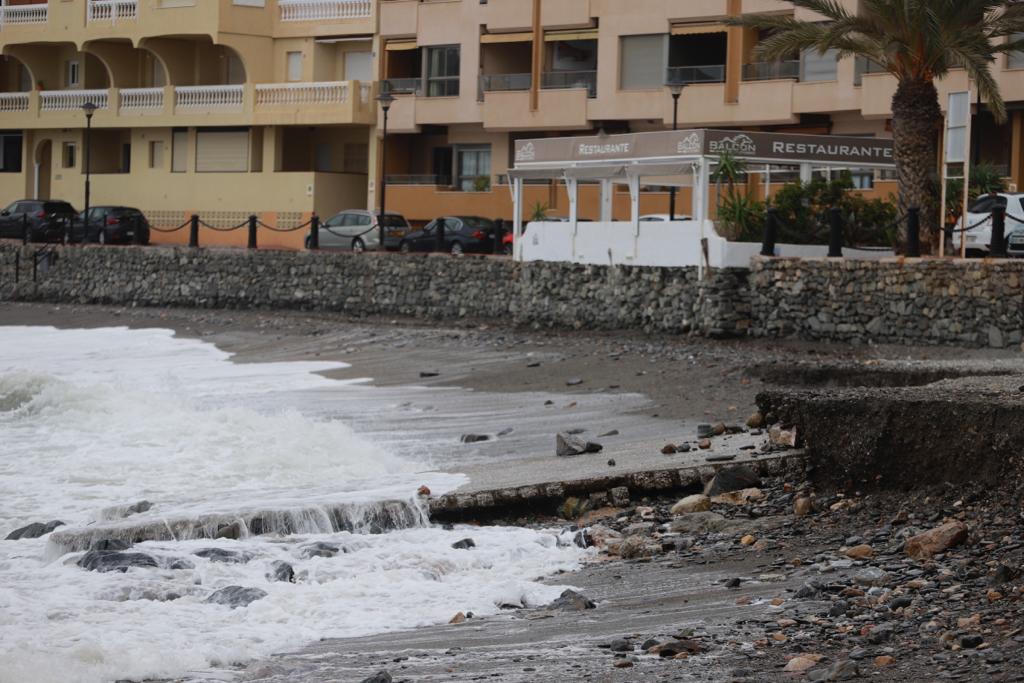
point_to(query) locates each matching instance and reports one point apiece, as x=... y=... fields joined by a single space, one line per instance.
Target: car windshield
x=987 y=203
x=477 y=223
x=122 y=211
x=58 y=207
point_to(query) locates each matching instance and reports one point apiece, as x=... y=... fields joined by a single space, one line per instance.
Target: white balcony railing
x=24 y=14
x=209 y=97
x=71 y=100
x=13 y=101
x=142 y=100
x=316 y=10
x=113 y=10
x=273 y=94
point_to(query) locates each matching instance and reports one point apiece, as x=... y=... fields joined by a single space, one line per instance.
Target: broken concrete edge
x=878 y=374
x=545 y=499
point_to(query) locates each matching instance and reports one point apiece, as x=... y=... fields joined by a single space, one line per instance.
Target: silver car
x=358 y=231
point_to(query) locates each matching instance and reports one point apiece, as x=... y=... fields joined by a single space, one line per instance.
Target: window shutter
x=222 y=151
x=642 y=62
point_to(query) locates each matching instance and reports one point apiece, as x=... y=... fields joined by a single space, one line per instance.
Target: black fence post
x=252 y=231
x=997 y=247
x=835 y=233
x=499 y=235
x=771 y=230
x=914 y=232
x=24 y=228
x=314 y=232
x=440 y=235
x=193 y=231
x=137 y=231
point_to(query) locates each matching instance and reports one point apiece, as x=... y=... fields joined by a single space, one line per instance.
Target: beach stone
x=34 y=530
x=884 y=660
x=802 y=663
x=465 y=544
x=569 y=444
x=379 y=677
x=782 y=437
x=458 y=618
x=926 y=545
x=140 y=507
x=235 y=596
x=181 y=564
x=733 y=478
x=619 y=496
x=860 y=552
x=109 y=544
x=741 y=497
x=695 y=503
x=570 y=600
x=621 y=645
x=319 y=549
x=704 y=444
x=756 y=420
x=843 y=670
x=222 y=555
x=114 y=561
x=802 y=506
x=281 y=571
x=474 y=438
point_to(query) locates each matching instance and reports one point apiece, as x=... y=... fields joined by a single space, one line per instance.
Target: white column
x=806 y=173
x=572 y=188
x=634 y=203
x=517 y=218
x=606 y=200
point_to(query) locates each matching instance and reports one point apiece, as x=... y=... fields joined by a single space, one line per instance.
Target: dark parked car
x=48 y=220
x=114 y=225
x=462 y=235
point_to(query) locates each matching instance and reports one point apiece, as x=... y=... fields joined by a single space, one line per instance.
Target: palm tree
x=918 y=42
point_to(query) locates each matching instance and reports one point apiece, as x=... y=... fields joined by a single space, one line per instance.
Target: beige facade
x=220 y=107
x=531 y=68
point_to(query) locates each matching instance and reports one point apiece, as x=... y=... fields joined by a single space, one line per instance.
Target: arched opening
x=128 y=66
x=14 y=75
x=43 y=168
x=192 y=61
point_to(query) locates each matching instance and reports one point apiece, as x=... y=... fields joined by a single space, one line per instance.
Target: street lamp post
x=677 y=91
x=385 y=99
x=89 y=108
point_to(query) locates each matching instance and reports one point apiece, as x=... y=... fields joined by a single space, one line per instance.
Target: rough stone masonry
x=902 y=301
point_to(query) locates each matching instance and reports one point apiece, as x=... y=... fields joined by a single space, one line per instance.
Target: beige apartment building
x=471 y=77
x=218 y=107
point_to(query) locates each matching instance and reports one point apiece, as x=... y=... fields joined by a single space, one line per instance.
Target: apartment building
x=220 y=107
x=470 y=77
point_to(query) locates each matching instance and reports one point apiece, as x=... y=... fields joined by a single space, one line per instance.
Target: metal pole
x=675 y=126
x=914 y=232
x=835 y=233
x=499 y=235
x=997 y=247
x=383 y=177
x=314 y=232
x=193 y=231
x=770 y=231
x=252 y=232
x=137 y=230
x=88 y=173
x=24 y=228
x=440 y=235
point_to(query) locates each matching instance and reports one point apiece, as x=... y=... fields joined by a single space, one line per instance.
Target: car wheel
x=404 y=248
x=358 y=245
x=457 y=249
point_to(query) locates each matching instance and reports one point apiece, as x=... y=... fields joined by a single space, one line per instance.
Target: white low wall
x=654 y=243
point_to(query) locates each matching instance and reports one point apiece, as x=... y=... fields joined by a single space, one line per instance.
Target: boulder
x=465 y=544
x=114 y=561
x=110 y=544
x=236 y=596
x=570 y=600
x=319 y=549
x=569 y=444
x=379 y=677
x=695 y=503
x=756 y=420
x=34 y=530
x=222 y=555
x=281 y=571
x=140 y=507
x=734 y=478
x=930 y=543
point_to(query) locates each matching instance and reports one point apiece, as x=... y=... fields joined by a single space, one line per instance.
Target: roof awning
x=594 y=172
x=698 y=29
x=580 y=34
x=535 y=173
x=658 y=170
x=524 y=37
x=398 y=45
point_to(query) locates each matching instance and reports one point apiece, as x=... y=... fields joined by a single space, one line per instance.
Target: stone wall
x=560 y=295
x=967 y=303
x=928 y=301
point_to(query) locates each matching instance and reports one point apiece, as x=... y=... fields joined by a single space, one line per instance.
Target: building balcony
x=772 y=71
x=324 y=10
x=505 y=82
x=336 y=102
x=112 y=11
x=687 y=75
x=14 y=15
x=570 y=80
x=558 y=109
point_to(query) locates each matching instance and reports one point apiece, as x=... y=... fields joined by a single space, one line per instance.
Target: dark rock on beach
x=34 y=530
x=236 y=596
x=114 y=561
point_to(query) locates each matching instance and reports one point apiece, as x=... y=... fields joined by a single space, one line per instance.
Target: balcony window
x=474 y=169
x=359 y=66
x=816 y=67
x=506 y=63
x=697 y=54
x=1015 y=60
x=69 y=155
x=72 y=73
x=640 y=62
x=294 y=61
x=572 y=63
x=443 y=71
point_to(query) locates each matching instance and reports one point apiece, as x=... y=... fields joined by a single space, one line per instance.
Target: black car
x=48 y=220
x=462 y=235
x=114 y=225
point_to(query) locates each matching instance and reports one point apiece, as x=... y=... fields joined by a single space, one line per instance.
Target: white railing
x=24 y=14
x=272 y=94
x=209 y=97
x=315 y=10
x=113 y=10
x=142 y=100
x=13 y=101
x=71 y=100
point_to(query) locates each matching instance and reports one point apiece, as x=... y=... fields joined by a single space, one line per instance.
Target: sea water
x=94 y=421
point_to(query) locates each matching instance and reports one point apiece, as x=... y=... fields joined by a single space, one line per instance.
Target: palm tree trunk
x=915 y=123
